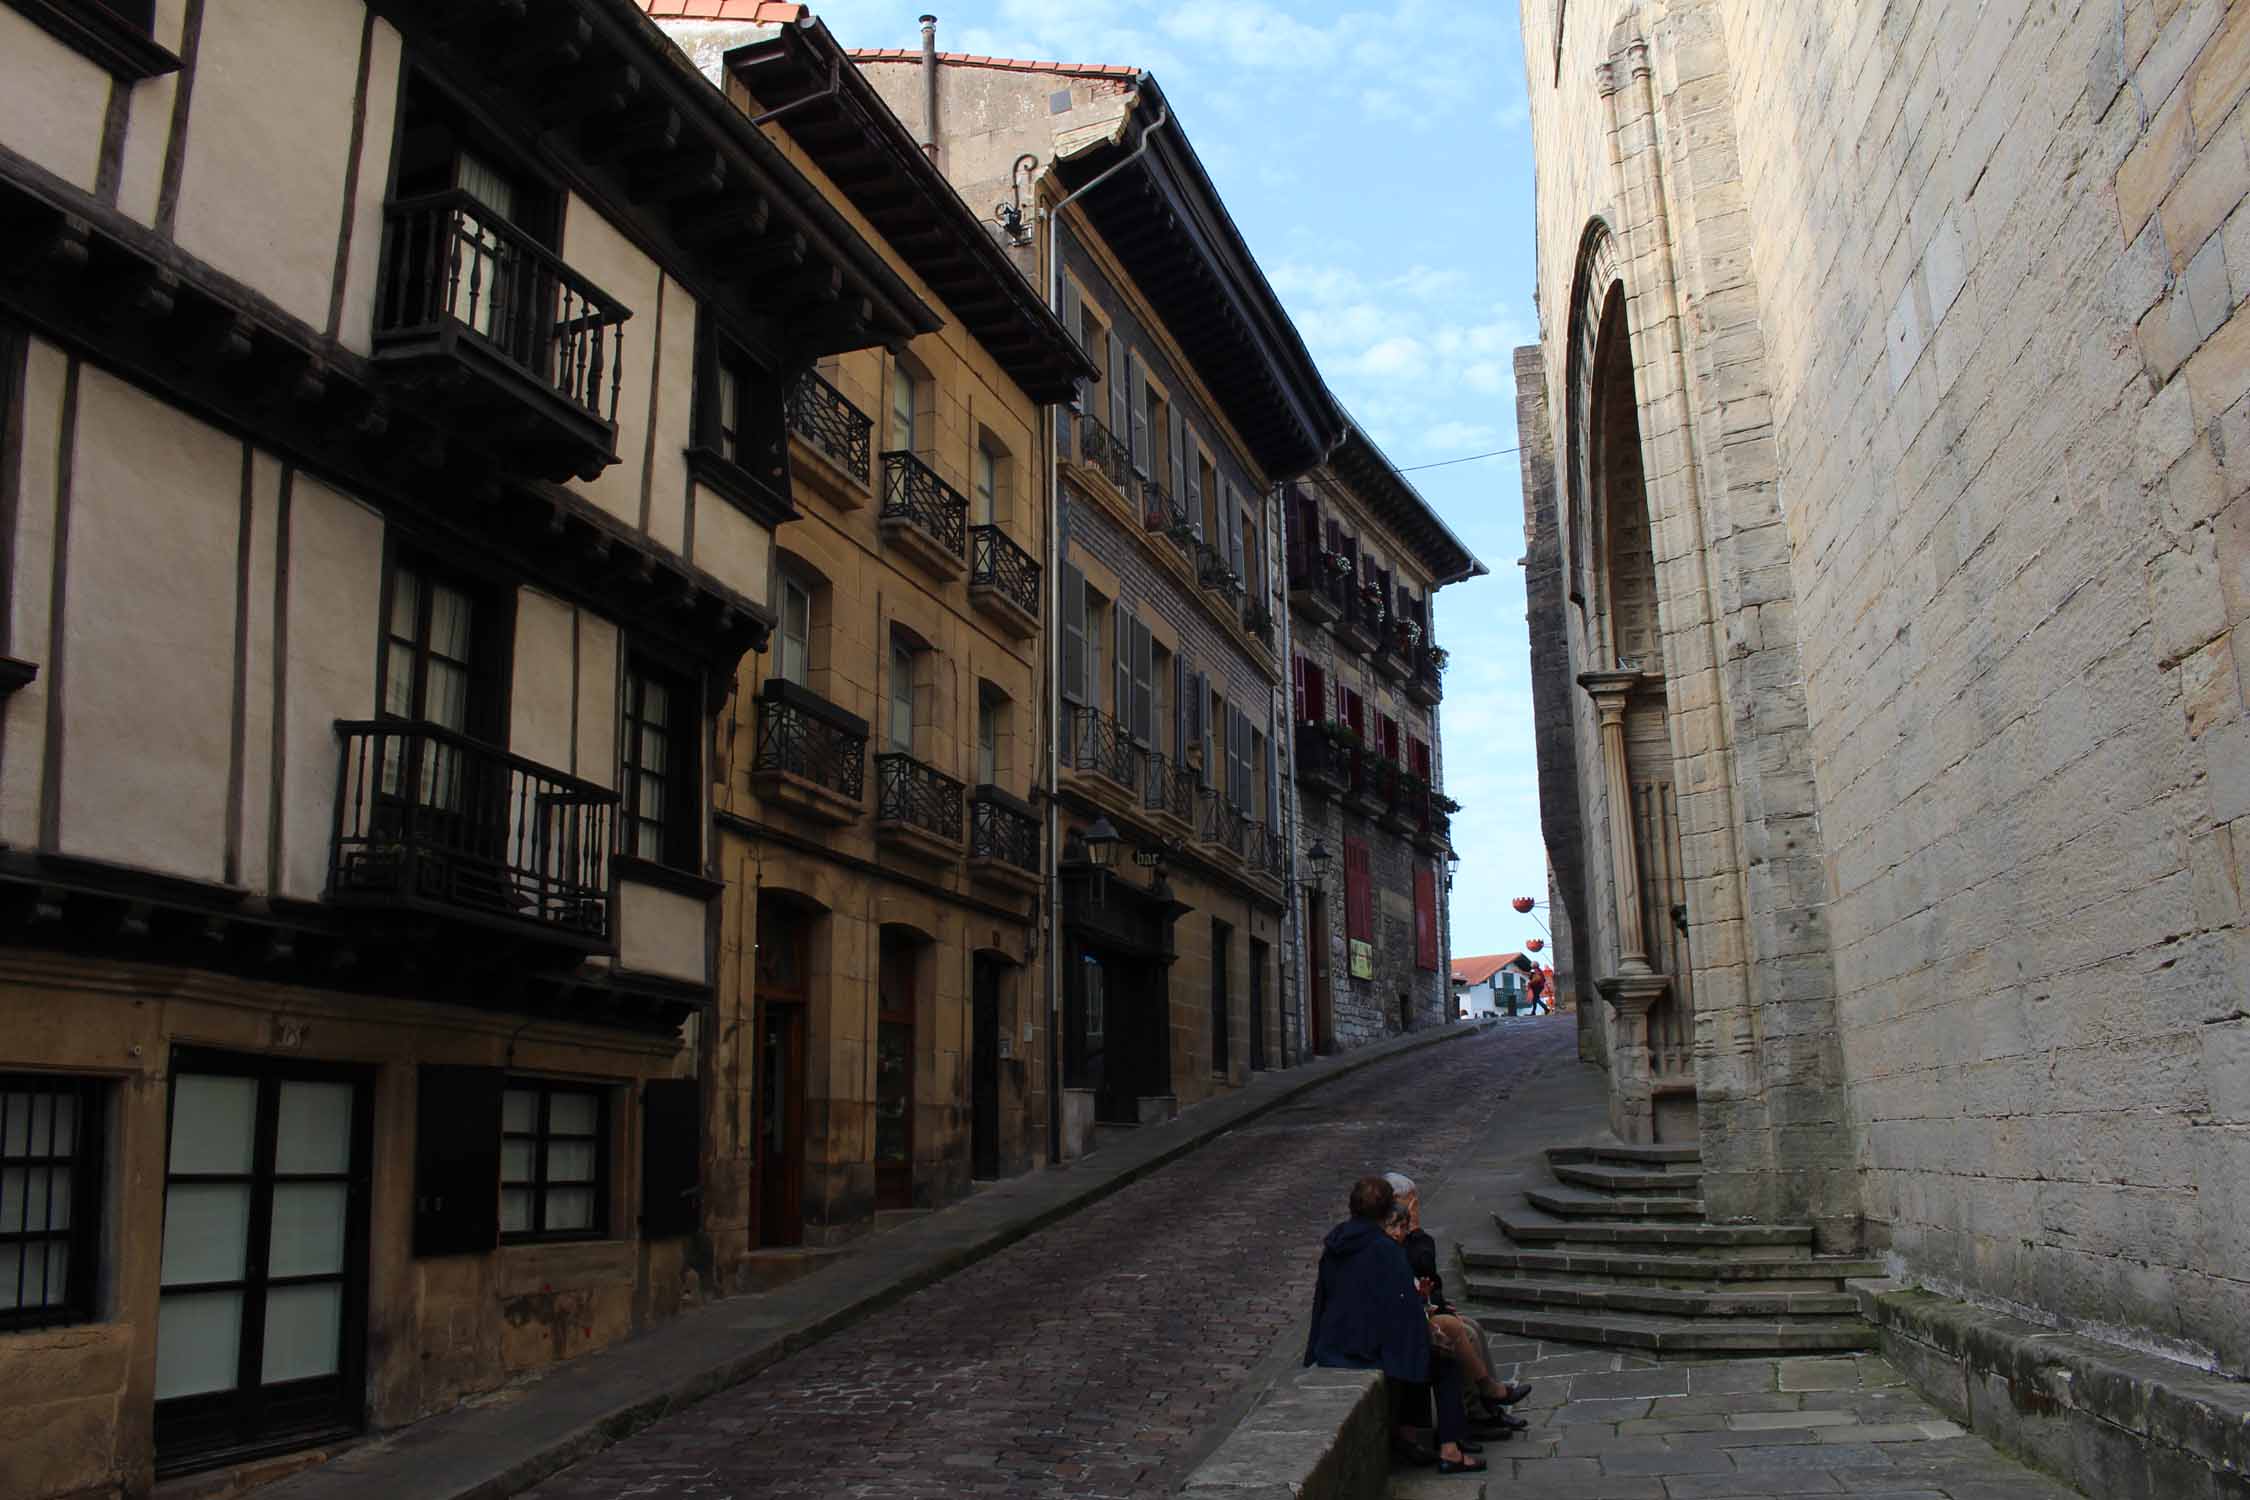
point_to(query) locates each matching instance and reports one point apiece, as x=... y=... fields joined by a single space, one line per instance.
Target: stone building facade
x=1884 y=497
x=1365 y=557
x=388 y=485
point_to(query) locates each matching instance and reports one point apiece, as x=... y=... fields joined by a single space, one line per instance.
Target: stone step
x=1626 y=1179
x=1673 y=1302
x=1569 y=1263
x=1574 y=1204
x=1531 y=1226
x=1631 y=1156
x=1678 y=1335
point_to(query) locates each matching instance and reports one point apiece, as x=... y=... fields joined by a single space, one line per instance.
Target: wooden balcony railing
x=454 y=273
x=998 y=564
x=803 y=735
x=914 y=494
x=434 y=821
x=912 y=795
x=825 y=418
x=1003 y=830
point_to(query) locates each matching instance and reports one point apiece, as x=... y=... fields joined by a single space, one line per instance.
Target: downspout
x=1296 y=889
x=1053 y=217
x=929 y=89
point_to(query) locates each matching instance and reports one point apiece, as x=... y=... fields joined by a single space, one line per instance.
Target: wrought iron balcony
x=1257 y=618
x=1003 y=838
x=1214 y=571
x=1222 y=824
x=1405 y=795
x=1268 y=852
x=1100 y=450
x=1435 y=835
x=1004 y=580
x=1363 y=790
x=1324 y=762
x=825 y=418
x=1170 y=789
x=1101 y=745
x=1426 y=684
x=478 y=317
x=917 y=806
x=811 y=755
x=1161 y=512
x=923 y=515
x=1360 y=626
x=437 y=823
x=1316 y=584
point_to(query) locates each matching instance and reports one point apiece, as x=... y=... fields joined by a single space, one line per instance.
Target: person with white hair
x=1456 y=1337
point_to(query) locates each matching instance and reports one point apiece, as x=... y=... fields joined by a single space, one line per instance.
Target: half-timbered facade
x=396 y=399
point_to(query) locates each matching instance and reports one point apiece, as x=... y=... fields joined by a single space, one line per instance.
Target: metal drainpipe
x=1053 y=218
x=929 y=88
x=1287 y=750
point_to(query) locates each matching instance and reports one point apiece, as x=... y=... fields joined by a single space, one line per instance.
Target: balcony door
x=262 y=1311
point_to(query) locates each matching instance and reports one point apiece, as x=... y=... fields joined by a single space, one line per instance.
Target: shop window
x=50 y=1199
x=553 y=1161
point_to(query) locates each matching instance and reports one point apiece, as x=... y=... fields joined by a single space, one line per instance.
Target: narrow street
x=1096 y=1357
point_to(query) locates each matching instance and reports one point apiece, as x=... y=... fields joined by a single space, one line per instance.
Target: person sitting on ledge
x=1455 y=1337
x=1368 y=1316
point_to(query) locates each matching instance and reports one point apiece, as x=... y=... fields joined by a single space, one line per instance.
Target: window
x=1256 y=770
x=554 y=1160
x=429 y=661
x=659 y=769
x=1157 y=452
x=792 y=649
x=906 y=409
x=50 y=1199
x=1210 y=486
x=727 y=431
x=1164 y=735
x=986 y=504
x=902 y=695
x=1098 y=658
x=992 y=710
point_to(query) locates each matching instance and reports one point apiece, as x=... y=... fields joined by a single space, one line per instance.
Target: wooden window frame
x=117 y=36
x=678 y=846
x=87 y=1187
x=491 y=642
x=540 y=1136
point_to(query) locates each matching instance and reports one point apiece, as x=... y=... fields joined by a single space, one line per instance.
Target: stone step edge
x=1614 y=1207
x=1625 y=1232
x=1665 y=1301
x=1623 y=1179
x=1642 y=1155
x=1662 y=1334
x=1700 y=1267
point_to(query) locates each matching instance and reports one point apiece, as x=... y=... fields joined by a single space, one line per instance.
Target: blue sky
x=1379 y=163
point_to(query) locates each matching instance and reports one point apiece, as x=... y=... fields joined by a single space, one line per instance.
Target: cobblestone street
x=1093 y=1358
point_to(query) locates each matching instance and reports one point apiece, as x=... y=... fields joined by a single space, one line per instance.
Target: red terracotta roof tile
x=977 y=60
x=1475 y=971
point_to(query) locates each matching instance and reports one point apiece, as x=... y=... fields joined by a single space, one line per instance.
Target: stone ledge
x=2107 y=1420
x=1317 y=1435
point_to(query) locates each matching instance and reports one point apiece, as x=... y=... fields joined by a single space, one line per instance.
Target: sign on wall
x=1363 y=959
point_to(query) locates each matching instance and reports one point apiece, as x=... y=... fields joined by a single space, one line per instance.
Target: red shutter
x=1359 y=893
x=1297 y=665
x=1316 y=690
x=1425 y=918
x=1420 y=752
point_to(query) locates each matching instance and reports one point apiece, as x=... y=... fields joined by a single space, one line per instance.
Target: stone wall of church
x=1994 y=260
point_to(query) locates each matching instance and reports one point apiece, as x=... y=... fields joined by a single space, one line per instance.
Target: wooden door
x=984 y=1066
x=1257 y=1005
x=1316 y=963
x=780 y=1099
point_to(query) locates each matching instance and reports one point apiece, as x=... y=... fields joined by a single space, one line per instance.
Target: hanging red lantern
x=1535 y=945
x=1523 y=903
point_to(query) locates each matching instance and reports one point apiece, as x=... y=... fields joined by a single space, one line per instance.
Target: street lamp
x=1452 y=867
x=1317 y=856
x=1101 y=844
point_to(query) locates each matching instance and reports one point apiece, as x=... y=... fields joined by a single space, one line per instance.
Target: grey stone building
x=1886 y=519
x=1366 y=556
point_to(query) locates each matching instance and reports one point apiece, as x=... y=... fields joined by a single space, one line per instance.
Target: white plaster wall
x=598 y=687
x=148 y=126
x=596 y=250
x=363 y=268
x=51 y=111
x=269 y=133
x=539 y=703
x=334 y=598
x=661 y=932
x=30 y=591
x=731 y=547
x=261 y=602
x=148 y=691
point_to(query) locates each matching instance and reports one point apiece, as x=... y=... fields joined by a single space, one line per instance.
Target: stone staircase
x=1618 y=1252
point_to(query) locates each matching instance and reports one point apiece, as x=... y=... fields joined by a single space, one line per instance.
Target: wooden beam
x=682 y=174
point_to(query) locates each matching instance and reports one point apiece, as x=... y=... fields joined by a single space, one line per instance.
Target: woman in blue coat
x=1368 y=1315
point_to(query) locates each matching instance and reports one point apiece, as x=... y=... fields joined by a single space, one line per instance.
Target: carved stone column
x=1635 y=986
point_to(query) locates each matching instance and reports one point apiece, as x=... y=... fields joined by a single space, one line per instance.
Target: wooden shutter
x=1238 y=757
x=1144 y=684
x=1199 y=731
x=1121 y=664
x=1316 y=693
x=1273 y=781
x=1229 y=540
x=1180 y=690
x=1176 y=447
x=1073 y=634
x=1419 y=751
x=456 y=1159
x=1425 y=918
x=671 y=1157
x=1359 y=893
x=1136 y=387
x=1120 y=390
x=1074 y=322
x=1191 y=475
x=1297 y=665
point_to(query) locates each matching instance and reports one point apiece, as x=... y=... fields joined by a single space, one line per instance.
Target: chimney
x=929 y=89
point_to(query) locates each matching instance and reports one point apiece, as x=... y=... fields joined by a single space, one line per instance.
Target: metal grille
x=1213 y=571
x=450 y=264
x=1099 y=449
x=797 y=742
x=997 y=563
x=49 y=1196
x=433 y=819
x=1098 y=743
x=1161 y=512
x=906 y=791
x=820 y=414
x=912 y=491
x=1171 y=788
x=1000 y=832
x=1223 y=825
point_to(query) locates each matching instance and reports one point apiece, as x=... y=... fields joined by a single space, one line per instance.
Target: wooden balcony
x=811 y=756
x=832 y=427
x=1004 y=840
x=924 y=517
x=434 y=823
x=918 y=808
x=1004 y=581
x=480 y=321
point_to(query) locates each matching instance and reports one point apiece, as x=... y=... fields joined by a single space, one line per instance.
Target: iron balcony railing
x=452 y=265
x=431 y=819
x=1271 y=853
x=997 y=563
x=1098 y=743
x=1170 y=788
x=912 y=491
x=1160 y=511
x=1099 y=449
x=1322 y=759
x=923 y=797
x=825 y=418
x=1003 y=829
x=1258 y=619
x=802 y=734
x=1319 y=572
x=1214 y=571
x=1222 y=823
